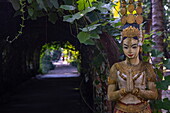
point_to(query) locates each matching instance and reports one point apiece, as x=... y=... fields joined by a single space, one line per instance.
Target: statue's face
x=131 y=48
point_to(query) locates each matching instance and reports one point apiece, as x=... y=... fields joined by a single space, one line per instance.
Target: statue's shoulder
x=147 y=64
x=117 y=65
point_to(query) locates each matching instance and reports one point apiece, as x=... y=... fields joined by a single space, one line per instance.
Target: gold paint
x=123 y=11
x=139 y=19
x=139 y=10
x=124 y=20
x=111 y=81
x=131 y=18
x=131 y=32
x=138 y=69
x=131 y=8
x=131 y=108
x=130 y=50
x=130 y=83
x=129 y=41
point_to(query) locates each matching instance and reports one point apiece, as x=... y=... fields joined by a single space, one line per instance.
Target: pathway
x=50 y=93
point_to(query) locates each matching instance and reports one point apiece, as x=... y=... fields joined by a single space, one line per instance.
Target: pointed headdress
x=131 y=21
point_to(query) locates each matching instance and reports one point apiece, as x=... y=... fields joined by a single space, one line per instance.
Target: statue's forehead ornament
x=131 y=32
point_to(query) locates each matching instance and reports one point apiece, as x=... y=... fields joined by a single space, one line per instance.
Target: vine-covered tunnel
x=20 y=62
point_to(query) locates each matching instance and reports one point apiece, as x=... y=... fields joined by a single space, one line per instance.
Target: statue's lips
x=130 y=55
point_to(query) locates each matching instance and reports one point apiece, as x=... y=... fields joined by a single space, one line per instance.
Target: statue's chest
x=137 y=77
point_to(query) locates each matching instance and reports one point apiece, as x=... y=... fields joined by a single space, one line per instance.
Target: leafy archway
x=93 y=24
x=55 y=51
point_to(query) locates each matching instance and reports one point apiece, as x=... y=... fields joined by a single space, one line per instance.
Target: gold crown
x=131 y=32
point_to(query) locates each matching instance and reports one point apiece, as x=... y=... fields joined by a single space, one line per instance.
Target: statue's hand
x=135 y=91
x=129 y=90
x=123 y=91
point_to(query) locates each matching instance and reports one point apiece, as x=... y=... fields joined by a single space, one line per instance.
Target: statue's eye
x=134 y=47
x=125 y=47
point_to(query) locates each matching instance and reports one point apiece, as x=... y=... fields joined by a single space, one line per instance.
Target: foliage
x=167 y=24
x=101 y=68
x=47 y=57
x=91 y=18
x=95 y=15
x=163 y=82
x=52 y=52
x=46 y=62
x=72 y=56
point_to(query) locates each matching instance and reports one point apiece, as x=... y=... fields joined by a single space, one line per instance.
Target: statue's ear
x=140 y=49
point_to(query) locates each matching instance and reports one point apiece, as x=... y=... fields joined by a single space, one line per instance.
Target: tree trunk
x=157 y=25
x=111 y=48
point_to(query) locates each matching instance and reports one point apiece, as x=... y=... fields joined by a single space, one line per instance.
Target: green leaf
x=55 y=3
x=99 y=5
x=52 y=17
x=159 y=33
x=78 y=15
x=41 y=4
x=29 y=1
x=98 y=59
x=68 y=18
x=35 y=6
x=67 y=7
x=166 y=104
x=167 y=63
x=95 y=36
x=145 y=58
x=82 y=13
x=83 y=37
x=87 y=10
x=90 y=28
x=103 y=77
x=159 y=73
x=118 y=24
x=163 y=85
x=50 y=5
x=156 y=53
x=30 y=11
x=146 y=48
x=15 y=4
x=89 y=42
x=83 y=4
x=96 y=82
x=116 y=34
x=167 y=78
x=93 y=17
x=147 y=35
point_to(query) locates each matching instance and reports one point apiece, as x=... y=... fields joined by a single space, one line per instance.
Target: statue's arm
x=112 y=92
x=151 y=92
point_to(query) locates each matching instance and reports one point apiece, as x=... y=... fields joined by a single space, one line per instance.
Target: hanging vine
x=19 y=33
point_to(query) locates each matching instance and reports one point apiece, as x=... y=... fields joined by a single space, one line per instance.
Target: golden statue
x=131 y=83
